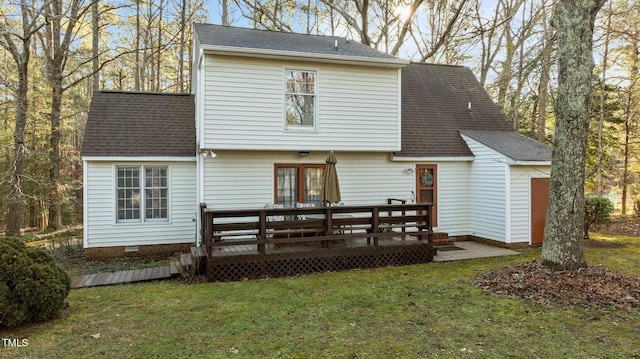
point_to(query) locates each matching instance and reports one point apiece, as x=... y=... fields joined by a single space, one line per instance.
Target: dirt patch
x=592 y=287
x=629 y=226
x=596 y=243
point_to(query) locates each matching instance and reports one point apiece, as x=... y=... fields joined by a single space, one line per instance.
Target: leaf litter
x=591 y=287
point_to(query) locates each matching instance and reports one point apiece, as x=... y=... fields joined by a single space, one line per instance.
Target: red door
x=427 y=188
x=539 y=201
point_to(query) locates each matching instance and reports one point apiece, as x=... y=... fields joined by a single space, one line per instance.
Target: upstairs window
x=300 y=99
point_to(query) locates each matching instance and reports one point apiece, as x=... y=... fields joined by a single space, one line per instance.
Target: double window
x=300 y=99
x=141 y=193
x=298 y=183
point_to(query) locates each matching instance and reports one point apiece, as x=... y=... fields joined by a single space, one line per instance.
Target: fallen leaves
x=591 y=287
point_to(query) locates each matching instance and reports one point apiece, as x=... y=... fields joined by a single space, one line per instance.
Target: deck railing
x=321 y=227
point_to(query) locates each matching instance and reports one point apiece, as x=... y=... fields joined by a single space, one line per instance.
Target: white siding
x=520 y=177
x=358 y=107
x=488 y=192
x=100 y=222
x=453 y=198
x=245 y=179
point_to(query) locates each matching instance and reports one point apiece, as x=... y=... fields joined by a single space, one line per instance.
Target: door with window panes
x=298 y=183
x=427 y=187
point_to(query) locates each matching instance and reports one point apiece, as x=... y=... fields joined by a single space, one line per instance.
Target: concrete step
x=198 y=252
x=174 y=268
x=186 y=261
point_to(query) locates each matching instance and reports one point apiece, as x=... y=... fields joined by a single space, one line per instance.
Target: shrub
x=33 y=287
x=597 y=210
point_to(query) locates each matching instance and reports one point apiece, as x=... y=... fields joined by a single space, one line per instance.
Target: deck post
x=328 y=224
x=262 y=231
x=375 y=224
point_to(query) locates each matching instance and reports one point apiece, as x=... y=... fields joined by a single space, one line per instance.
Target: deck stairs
x=193 y=263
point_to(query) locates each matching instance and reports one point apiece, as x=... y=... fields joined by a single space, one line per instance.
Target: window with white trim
x=300 y=99
x=141 y=193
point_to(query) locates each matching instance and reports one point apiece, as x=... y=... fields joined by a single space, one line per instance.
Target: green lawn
x=420 y=311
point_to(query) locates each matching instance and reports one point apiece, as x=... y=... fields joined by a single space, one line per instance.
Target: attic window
x=300 y=99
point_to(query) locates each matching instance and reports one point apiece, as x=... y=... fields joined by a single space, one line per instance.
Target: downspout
x=200 y=156
x=85 y=206
x=507 y=204
x=200 y=169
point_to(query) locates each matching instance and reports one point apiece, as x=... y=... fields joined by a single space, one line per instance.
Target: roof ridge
x=146 y=93
x=277 y=31
x=436 y=64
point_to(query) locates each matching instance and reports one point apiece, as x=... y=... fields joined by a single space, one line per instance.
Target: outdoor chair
x=274 y=218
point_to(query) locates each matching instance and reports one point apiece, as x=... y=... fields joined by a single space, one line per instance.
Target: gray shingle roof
x=435 y=102
x=140 y=124
x=512 y=144
x=288 y=42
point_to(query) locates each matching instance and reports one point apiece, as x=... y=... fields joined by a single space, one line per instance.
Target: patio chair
x=274 y=218
x=304 y=205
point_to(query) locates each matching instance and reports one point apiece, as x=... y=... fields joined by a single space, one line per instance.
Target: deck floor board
x=120 y=277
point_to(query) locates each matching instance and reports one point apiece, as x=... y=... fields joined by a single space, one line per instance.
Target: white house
x=267 y=108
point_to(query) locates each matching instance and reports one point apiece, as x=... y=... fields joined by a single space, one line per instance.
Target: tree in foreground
x=563 y=236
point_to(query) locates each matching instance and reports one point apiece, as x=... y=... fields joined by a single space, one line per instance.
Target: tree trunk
x=183 y=29
x=627 y=138
x=138 y=70
x=55 y=52
x=543 y=86
x=16 y=198
x=55 y=156
x=159 y=53
x=563 y=237
x=95 y=37
x=225 y=12
x=603 y=89
x=20 y=52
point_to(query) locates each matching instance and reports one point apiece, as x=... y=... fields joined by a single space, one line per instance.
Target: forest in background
x=55 y=53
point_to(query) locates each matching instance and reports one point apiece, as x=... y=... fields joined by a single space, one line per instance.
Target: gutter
x=304 y=56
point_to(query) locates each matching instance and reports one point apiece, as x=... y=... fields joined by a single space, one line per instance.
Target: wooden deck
x=276 y=242
x=122 y=277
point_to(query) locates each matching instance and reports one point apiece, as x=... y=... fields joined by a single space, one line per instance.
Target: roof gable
x=129 y=124
x=253 y=42
x=438 y=101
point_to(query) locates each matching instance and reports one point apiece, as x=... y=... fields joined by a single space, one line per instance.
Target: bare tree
x=64 y=20
x=563 y=237
x=443 y=18
x=95 y=43
x=603 y=87
x=545 y=75
x=16 y=37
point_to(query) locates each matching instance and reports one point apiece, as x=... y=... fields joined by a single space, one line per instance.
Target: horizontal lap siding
x=453 y=198
x=245 y=179
x=488 y=187
x=358 y=107
x=520 y=177
x=102 y=229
